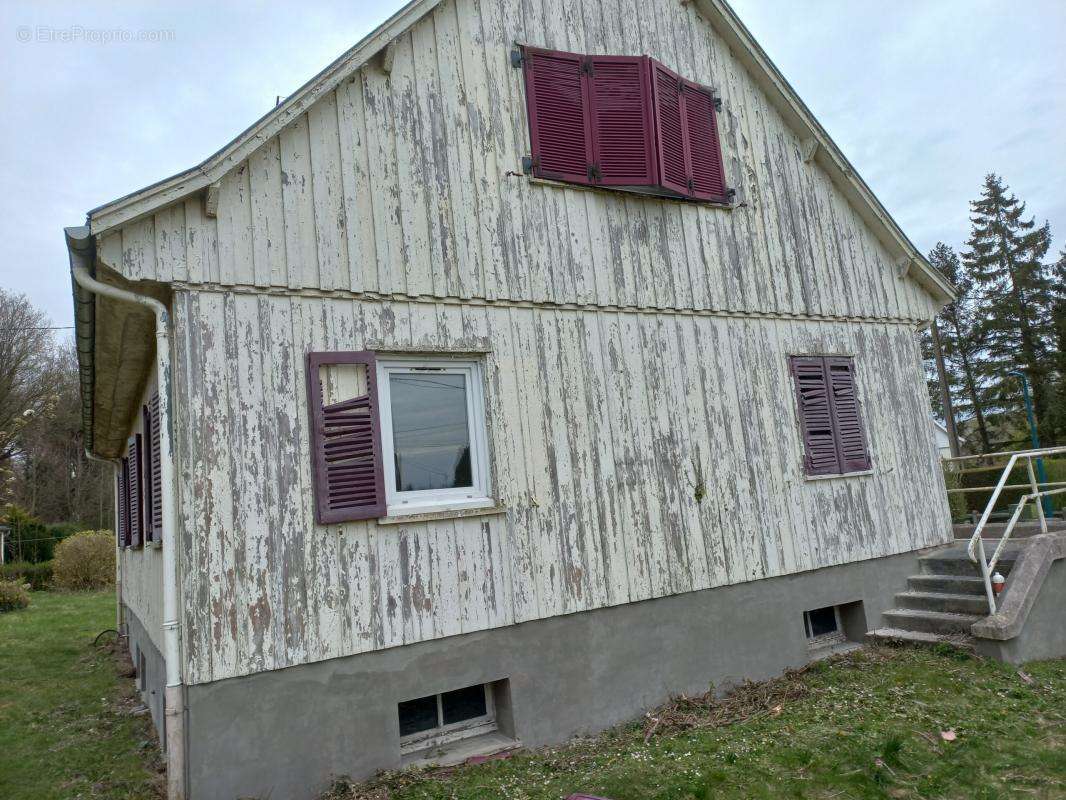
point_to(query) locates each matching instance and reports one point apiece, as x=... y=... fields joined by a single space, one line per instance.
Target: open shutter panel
x=816 y=416
x=146 y=455
x=155 y=467
x=124 y=504
x=558 y=105
x=670 y=127
x=851 y=438
x=135 y=487
x=705 y=150
x=623 y=135
x=346 y=444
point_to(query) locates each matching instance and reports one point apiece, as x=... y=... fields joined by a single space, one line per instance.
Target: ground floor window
x=438 y=719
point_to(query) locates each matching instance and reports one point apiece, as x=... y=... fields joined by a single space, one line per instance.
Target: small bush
x=38 y=576
x=86 y=560
x=12 y=596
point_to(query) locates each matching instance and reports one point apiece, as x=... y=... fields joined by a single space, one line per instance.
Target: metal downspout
x=80 y=246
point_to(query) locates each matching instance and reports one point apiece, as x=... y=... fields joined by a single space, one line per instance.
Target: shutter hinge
x=717 y=102
x=730 y=195
x=516 y=58
x=528 y=163
x=594 y=172
x=587 y=68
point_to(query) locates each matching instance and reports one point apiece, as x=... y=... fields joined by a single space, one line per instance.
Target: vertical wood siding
x=627 y=362
x=404 y=183
x=601 y=425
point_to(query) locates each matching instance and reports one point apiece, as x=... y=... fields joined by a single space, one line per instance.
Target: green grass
x=65 y=727
x=866 y=727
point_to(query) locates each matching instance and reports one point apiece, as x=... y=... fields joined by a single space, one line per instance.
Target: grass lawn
x=872 y=725
x=65 y=725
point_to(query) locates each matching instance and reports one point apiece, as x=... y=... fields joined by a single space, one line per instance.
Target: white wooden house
x=492 y=388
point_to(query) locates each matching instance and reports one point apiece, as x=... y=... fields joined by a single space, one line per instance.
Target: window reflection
x=430 y=431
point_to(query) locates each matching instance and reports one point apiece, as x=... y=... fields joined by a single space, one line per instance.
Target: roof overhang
x=820 y=147
x=147 y=200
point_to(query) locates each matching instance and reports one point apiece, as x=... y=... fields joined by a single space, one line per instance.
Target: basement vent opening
x=823 y=627
x=455 y=724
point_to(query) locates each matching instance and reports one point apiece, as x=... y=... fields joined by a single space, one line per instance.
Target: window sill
x=399 y=517
x=459 y=751
x=631 y=192
x=838 y=475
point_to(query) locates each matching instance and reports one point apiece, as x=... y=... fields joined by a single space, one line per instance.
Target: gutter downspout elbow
x=81 y=247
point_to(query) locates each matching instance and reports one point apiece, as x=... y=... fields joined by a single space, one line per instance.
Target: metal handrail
x=976 y=548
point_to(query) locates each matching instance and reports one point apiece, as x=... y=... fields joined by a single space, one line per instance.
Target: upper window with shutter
x=135 y=489
x=622 y=121
x=153 y=477
x=395 y=436
x=834 y=439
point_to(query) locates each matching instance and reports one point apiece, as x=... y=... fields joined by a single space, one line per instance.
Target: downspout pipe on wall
x=82 y=252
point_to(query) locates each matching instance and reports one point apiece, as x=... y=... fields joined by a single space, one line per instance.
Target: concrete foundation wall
x=284 y=734
x=153 y=682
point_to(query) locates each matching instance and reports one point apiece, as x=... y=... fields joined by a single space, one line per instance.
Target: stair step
x=958 y=565
x=930 y=621
x=950 y=584
x=897 y=635
x=943 y=601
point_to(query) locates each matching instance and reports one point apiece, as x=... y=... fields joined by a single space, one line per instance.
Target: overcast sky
x=923 y=96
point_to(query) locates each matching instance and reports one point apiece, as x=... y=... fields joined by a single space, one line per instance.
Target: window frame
x=456 y=731
x=428 y=500
x=830 y=639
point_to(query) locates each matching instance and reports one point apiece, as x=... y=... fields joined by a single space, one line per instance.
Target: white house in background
x=533 y=362
x=940 y=436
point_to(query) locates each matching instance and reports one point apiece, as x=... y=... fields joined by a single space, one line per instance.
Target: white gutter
x=81 y=247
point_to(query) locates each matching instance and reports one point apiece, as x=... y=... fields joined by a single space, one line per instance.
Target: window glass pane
x=822 y=621
x=418 y=715
x=430 y=431
x=463 y=704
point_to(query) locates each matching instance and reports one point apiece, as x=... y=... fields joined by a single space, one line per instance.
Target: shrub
x=38 y=576
x=85 y=560
x=12 y=596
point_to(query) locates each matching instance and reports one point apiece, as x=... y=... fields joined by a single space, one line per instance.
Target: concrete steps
x=940 y=604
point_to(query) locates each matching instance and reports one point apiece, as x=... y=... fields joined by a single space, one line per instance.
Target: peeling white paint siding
x=636 y=348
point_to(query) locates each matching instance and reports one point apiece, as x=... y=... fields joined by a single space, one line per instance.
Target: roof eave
x=145 y=201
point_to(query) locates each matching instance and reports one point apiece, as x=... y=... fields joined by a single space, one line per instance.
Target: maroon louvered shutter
x=815 y=415
x=670 y=129
x=155 y=471
x=851 y=438
x=146 y=494
x=135 y=486
x=346 y=445
x=559 y=127
x=124 y=503
x=623 y=140
x=705 y=149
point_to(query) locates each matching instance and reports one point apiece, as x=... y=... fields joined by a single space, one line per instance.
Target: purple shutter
x=135 y=486
x=346 y=445
x=155 y=469
x=623 y=134
x=850 y=436
x=124 y=503
x=558 y=104
x=815 y=415
x=146 y=493
x=705 y=149
x=671 y=146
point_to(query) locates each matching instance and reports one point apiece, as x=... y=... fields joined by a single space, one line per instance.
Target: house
x=940 y=437
x=531 y=363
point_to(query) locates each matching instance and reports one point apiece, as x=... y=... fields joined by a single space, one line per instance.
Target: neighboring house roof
x=818 y=143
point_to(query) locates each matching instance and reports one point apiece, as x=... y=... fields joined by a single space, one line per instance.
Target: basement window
x=439 y=719
x=823 y=627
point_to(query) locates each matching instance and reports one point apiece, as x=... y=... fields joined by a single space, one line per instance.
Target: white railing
x=976 y=548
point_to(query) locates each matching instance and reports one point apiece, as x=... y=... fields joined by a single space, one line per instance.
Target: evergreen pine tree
x=1005 y=260
x=1057 y=416
x=963 y=345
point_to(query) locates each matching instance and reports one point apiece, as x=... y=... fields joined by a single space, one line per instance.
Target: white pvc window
x=433 y=435
x=439 y=719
